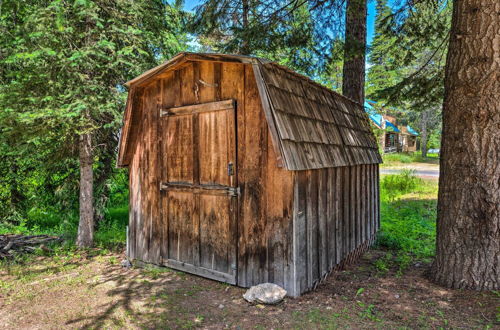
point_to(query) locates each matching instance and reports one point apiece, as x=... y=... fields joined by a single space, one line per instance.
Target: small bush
x=47 y=217
x=397 y=184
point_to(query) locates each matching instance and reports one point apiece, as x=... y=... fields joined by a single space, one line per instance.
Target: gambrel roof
x=311 y=126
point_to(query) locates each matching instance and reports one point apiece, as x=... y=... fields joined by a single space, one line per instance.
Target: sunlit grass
x=408 y=158
x=408 y=219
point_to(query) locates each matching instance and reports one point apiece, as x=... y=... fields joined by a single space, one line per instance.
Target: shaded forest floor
x=91 y=290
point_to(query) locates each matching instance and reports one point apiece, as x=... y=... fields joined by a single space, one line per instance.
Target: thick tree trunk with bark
x=353 y=82
x=86 y=226
x=468 y=228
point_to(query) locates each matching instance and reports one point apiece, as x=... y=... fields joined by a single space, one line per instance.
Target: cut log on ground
x=11 y=245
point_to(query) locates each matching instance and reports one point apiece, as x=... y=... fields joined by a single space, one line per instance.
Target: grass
x=408 y=220
x=408 y=158
x=110 y=232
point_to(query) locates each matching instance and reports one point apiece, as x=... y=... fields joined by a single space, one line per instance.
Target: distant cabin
x=246 y=172
x=394 y=137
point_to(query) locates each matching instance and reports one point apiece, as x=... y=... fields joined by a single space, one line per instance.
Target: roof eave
x=185 y=56
x=121 y=160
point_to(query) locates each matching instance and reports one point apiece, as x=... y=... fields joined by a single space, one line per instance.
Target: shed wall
x=265 y=201
x=294 y=227
x=336 y=215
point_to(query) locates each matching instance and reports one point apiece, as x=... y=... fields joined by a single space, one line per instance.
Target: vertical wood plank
x=359 y=202
x=370 y=201
x=331 y=219
x=312 y=227
x=205 y=81
x=346 y=212
x=362 y=201
x=146 y=206
x=352 y=209
x=196 y=240
x=375 y=198
x=193 y=72
x=366 y=204
x=322 y=221
x=252 y=214
x=215 y=232
x=373 y=201
x=183 y=227
x=278 y=203
x=170 y=97
x=231 y=79
x=187 y=79
x=154 y=174
x=300 y=232
x=338 y=214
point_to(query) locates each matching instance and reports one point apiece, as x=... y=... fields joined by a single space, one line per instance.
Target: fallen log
x=11 y=245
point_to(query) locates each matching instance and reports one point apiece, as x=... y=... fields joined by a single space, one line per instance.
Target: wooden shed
x=246 y=172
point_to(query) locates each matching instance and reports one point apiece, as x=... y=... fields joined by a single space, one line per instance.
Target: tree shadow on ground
x=154 y=298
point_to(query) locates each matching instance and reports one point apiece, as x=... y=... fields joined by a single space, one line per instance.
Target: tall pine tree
x=62 y=66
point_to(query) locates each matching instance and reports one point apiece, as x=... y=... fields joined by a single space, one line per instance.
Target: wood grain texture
x=263 y=222
x=330 y=220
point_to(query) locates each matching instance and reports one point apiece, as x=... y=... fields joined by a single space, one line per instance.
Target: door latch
x=230 y=169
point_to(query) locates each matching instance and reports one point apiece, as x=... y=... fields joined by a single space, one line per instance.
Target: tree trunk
x=245 y=48
x=468 y=226
x=86 y=226
x=425 y=121
x=353 y=82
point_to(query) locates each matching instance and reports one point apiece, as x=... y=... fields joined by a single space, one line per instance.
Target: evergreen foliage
x=407 y=55
x=62 y=64
x=294 y=33
x=407 y=60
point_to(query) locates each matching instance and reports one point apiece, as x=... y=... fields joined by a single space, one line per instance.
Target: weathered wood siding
x=286 y=227
x=336 y=213
x=264 y=206
x=144 y=242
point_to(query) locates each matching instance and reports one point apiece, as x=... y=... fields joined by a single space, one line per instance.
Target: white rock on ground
x=126 y=263
x=265 y=293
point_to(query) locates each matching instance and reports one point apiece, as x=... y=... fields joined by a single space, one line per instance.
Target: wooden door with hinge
x=199 y=189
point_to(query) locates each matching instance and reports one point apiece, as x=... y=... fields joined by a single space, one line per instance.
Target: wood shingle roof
x=317 y=128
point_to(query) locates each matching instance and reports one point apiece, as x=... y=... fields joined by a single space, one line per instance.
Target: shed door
x=200 y=190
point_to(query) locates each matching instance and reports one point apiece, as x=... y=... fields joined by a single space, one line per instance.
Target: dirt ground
x=84 y=291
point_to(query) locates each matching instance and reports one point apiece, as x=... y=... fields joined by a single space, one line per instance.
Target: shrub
x=396 y=184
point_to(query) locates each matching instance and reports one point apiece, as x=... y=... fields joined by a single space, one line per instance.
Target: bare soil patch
x=84 y=291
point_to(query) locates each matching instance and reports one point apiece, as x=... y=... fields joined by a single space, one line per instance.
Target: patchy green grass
x=110 y=232
x=402 y=158
x=408 y=220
